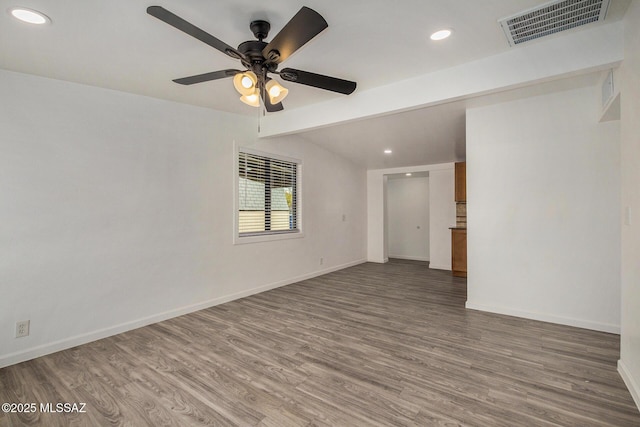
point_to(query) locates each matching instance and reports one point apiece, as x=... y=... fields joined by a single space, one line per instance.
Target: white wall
x=442 y=208
x=629 y=365
x=543 y=210
x=376 y=213
x=408 y=218
x=116 y=211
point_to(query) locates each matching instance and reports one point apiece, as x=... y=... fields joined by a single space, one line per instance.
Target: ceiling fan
x=261 y=58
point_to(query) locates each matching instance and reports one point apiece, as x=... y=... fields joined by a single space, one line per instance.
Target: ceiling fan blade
x=175 y=21
x=215 y=75
x=318 y=80
x=271 y=108
x=305 y=25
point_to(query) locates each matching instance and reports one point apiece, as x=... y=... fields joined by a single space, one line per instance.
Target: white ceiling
x=115 y=44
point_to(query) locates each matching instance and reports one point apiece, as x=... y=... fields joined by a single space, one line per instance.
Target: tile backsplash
x=461 y=214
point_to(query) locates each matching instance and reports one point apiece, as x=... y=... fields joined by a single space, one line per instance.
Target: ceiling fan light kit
x=261 y=58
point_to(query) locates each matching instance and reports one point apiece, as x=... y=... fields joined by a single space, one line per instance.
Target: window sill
x=237 y=240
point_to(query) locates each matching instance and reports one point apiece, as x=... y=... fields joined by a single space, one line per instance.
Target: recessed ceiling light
x=441 y=35
x=407 y=174
x=29 y=15
x=387 y=151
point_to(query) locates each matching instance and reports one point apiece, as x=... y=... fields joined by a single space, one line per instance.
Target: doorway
x=408 y=216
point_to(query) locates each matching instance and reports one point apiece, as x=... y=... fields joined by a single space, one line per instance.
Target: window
x=267 y=195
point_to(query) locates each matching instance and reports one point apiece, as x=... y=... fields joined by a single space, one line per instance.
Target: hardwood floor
x=372 y=345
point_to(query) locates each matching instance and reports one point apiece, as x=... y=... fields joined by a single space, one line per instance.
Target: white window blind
x=268 y=195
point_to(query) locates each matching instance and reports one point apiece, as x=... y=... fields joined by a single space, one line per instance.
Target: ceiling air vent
x=552 y=18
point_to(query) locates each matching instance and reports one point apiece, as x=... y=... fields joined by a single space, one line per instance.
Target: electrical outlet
x=22 y=329
x=321 y=261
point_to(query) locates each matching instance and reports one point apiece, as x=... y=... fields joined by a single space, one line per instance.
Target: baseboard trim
x=632 y=385
x=440 y=267
x=410 y=258
x=48 y=348
x=578 y=323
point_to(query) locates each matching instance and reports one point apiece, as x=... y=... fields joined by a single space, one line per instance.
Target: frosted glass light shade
x=245 y=83
x=276 y=91
x=252 y=99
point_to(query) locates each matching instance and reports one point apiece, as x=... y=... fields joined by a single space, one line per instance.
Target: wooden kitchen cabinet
x=459 y=232
x=459 y=252
x=461 y=181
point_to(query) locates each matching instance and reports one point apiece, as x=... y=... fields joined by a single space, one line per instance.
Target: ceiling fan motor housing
x=252 y=50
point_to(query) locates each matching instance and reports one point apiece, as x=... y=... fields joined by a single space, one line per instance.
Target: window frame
x=265 y=236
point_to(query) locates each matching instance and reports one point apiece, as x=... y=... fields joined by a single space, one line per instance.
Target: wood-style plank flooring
x=371 y=345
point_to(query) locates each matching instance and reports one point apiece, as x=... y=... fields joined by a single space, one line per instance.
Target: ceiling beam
x=559 y=56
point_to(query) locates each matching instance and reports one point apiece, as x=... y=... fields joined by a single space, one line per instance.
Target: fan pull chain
x=258 y=121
